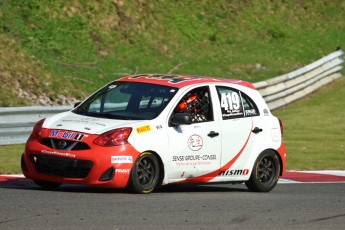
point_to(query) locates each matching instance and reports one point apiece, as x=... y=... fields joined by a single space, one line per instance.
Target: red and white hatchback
x=144 y=131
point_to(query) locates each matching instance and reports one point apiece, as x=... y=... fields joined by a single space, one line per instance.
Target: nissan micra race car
x=143 y=131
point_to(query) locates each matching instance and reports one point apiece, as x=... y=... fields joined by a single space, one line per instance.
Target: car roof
x=180 y=81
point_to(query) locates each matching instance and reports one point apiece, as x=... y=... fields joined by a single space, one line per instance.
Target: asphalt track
x=301 y=200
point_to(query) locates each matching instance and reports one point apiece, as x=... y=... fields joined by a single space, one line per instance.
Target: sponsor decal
x=58 y=153
x=85 y=121
x=193 y=160
x=266 y=112
x=121 y=159
x=143 y=129
x=234 y=172
x=159 y=127
x=195 y=142
x=122 y=171
x=66 y=135
x=250 y=112
x=171 y=78
x=204 y=157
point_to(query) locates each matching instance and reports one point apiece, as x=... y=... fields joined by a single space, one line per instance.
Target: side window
x=196 y=103
x=250 y=108
x=235 y=104
x=230 y=102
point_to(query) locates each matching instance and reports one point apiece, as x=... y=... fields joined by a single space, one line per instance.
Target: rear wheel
x=144 y=174
x=265 y=174
x=47 y=184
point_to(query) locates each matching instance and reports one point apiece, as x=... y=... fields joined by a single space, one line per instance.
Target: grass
x=314 y=129
x=10 y=159
x=72 y=48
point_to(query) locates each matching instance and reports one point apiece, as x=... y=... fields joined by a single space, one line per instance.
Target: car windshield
x=127 y=101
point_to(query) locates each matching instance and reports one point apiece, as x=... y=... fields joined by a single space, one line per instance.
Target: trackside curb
x=323 y=176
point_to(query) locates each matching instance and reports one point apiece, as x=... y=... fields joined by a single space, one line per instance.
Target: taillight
x=36 y=131
x=113 y=137
x=281 y=126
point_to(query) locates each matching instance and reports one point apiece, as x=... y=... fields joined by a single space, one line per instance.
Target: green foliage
x=10 y=159
x=314 y=129
x=85 y=44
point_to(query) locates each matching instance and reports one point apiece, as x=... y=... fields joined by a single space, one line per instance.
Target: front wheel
x=144 y=174
x=265 y=174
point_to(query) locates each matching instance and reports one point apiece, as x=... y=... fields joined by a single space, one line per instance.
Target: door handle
x=256 y=130
x=213 y=134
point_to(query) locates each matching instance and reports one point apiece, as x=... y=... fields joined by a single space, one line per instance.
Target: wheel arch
x=161 y=167
x=266 y=171
x=280 y=160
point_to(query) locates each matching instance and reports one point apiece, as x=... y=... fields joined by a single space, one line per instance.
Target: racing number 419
x=230 y=101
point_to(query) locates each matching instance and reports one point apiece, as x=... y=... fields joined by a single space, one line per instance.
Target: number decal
x=235 y=100
x=230 y=103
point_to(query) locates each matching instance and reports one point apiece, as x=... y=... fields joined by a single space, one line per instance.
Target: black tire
x=265 y=174
x=47 y=184
x=144 y=174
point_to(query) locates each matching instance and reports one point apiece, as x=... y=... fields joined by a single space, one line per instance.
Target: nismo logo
x=234 y=172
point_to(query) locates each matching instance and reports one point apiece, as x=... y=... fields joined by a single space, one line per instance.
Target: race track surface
x=301 y=200
x=325 y=176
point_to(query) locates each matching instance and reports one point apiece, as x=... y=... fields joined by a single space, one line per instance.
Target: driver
x=195 y=104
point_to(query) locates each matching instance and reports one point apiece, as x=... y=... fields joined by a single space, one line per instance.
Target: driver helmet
x=185 y=105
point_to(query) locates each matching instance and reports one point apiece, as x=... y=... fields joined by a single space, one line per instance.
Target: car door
x=241 y=131
x=194 y=149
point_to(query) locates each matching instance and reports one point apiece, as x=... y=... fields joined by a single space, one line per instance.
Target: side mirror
x=181 y=119
x=76 y=104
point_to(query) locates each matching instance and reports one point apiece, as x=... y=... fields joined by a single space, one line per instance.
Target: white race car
x=144 y=131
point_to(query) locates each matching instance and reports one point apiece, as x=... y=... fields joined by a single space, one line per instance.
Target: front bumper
x=93 y=165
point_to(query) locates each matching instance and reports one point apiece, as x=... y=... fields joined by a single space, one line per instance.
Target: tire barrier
x=282 y=90
x=16 y=122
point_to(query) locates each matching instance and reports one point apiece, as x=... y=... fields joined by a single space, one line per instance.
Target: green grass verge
x=10 y=159
x=314 y=130
x=71 y=48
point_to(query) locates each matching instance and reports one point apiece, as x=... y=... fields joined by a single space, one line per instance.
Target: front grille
x=67 y=144
x=62 y=167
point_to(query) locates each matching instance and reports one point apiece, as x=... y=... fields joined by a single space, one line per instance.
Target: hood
x=92 y=125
